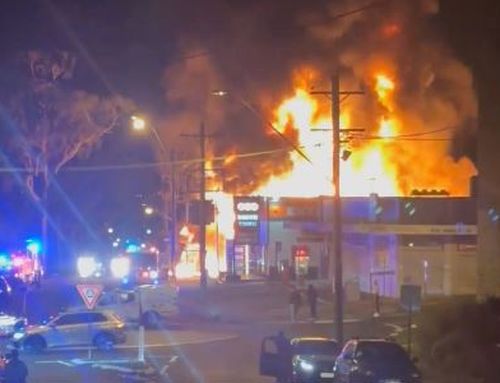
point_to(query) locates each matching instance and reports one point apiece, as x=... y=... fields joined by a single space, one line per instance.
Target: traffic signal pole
x=203 y=244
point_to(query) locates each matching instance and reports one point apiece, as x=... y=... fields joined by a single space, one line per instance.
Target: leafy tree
x=49 y=123
x=458 y=341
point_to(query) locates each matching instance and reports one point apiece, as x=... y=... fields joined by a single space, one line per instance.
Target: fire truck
x=23 y=266
x=137 y=267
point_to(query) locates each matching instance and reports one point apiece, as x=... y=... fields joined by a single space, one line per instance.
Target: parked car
x=313 y=359
x=10 y=324
x=5 y=294
x=301 y=359
x=156 y=302
x=102 y=329
x=374 y=361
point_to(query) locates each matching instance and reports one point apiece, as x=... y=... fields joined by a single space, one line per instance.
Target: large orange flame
x=376 y=164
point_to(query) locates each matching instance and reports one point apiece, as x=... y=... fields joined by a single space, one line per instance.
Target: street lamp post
x=139 y=124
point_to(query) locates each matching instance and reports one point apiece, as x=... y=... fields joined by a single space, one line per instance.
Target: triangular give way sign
x=90 y=294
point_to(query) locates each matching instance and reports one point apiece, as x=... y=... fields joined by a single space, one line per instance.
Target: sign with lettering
x=249 y=214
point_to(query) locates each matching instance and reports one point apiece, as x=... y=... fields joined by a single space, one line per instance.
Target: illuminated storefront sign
x=249 y=213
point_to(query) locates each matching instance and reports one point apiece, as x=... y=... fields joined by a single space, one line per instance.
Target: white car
x=10 y=324
x=157 y=302
x=102 y=329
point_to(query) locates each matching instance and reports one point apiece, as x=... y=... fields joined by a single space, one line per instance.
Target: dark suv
x=374 y=361
x=313 y=359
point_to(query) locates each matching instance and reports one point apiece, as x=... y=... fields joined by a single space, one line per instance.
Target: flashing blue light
x=34 y=246
x=132 y=248
x=4 y=261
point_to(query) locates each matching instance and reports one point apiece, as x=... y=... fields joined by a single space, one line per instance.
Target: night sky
x=126 y=46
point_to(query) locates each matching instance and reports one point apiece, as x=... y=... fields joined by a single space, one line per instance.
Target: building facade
x=386 y=242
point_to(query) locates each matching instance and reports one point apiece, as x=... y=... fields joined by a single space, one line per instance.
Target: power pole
x=202 y=136
x=337 y=210
x=203 y=244
x=336 y=237
x=173 y=211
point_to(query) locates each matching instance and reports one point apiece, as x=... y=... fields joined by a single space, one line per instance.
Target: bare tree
x=53 y=124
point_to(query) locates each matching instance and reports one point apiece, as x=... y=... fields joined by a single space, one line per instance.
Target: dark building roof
x=395 y=210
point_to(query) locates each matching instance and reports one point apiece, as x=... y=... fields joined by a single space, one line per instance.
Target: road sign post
x=411 y=301
x=90 y=294
x=141 y=337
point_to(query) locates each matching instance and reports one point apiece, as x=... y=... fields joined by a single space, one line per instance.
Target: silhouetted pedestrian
x=295 y=302
x=312 y=298
x=15 y=370
x=376 y=291
x=285 y=357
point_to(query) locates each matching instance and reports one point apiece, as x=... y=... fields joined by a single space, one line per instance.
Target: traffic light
x=194 y=212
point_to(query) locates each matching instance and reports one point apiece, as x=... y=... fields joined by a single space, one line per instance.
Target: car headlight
x=86 y=266
x=153 y=274
x=416 y=376
x=368 y=373
x=18 y=336
x=306 y=366
x=120 y=267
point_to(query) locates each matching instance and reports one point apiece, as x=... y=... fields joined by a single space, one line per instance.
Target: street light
x=220 y=93
x=138 y=123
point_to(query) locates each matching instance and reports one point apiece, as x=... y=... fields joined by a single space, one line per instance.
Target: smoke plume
x=252 y=49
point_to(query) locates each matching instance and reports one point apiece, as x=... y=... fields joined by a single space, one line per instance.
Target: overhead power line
x=151 y=165
x=404 y=136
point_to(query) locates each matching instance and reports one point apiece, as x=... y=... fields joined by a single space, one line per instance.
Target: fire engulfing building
x=387 y=241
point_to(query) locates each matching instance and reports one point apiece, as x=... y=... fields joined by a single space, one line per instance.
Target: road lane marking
x=79 y=362
x=166 y=366
x=152 y=345
x=64 y=363
x=318 y=321
x=396 y=329
x=126 y=370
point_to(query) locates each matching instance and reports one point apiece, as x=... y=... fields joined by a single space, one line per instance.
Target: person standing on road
x=294 y=303
x=312 y=298
x=376 y=291
x=15 y=370
x=285 y=357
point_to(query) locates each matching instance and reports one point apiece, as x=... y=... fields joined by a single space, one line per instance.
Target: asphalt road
x=219 y=351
